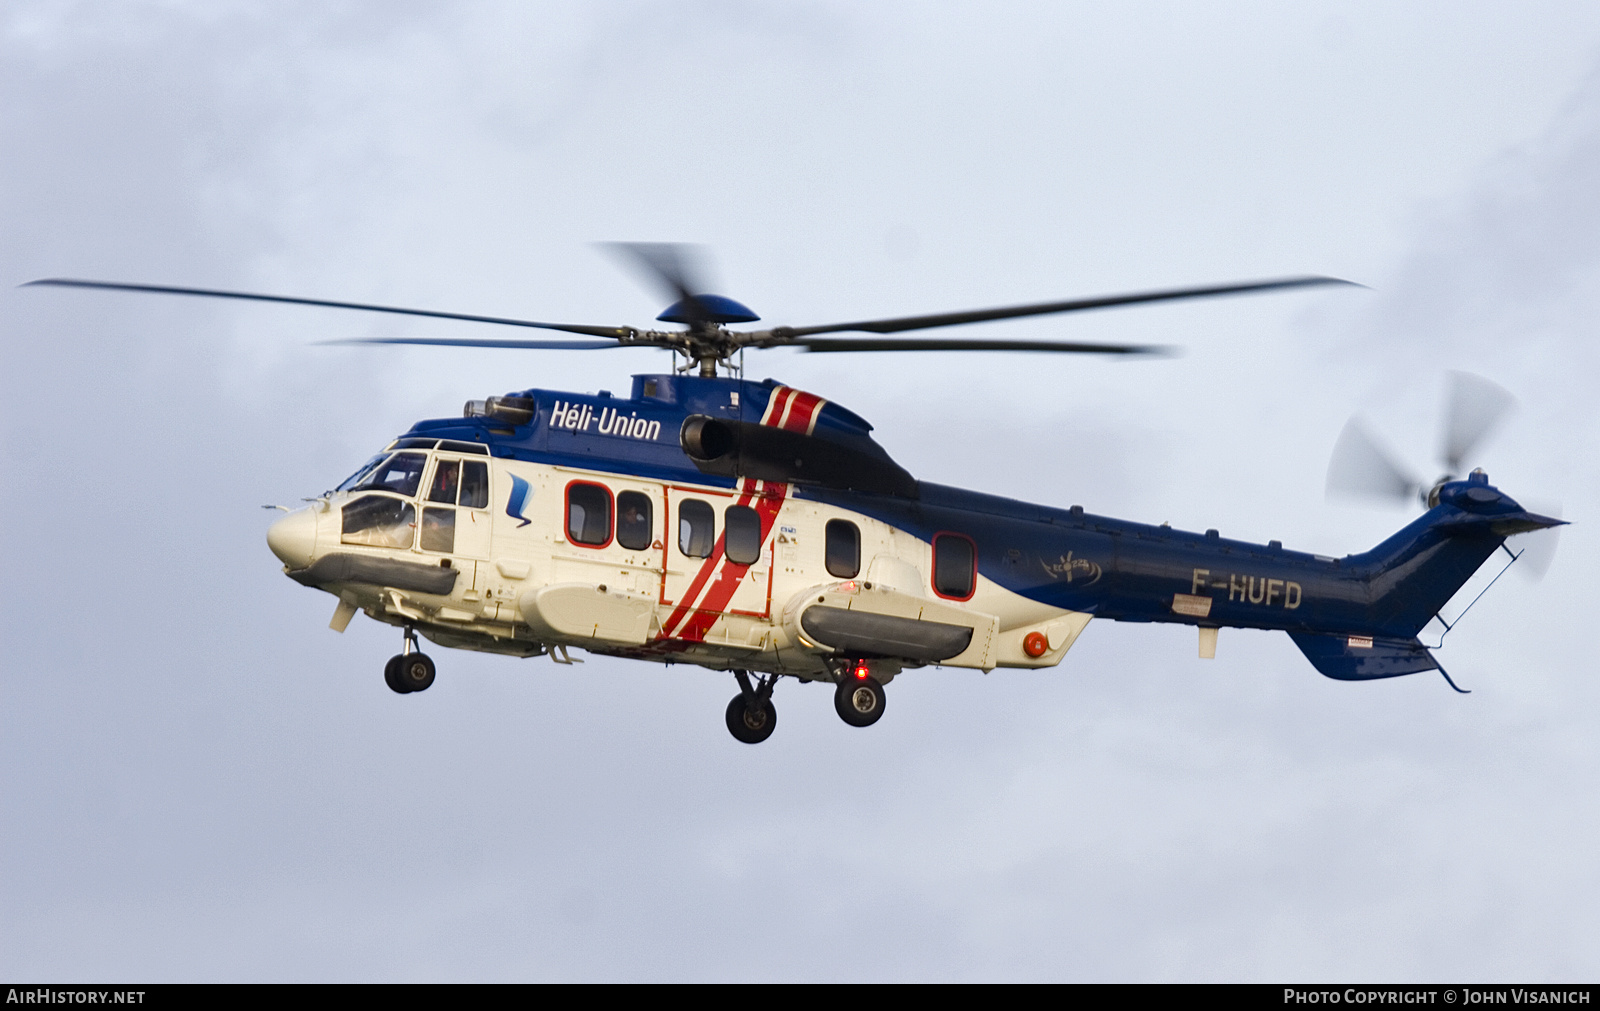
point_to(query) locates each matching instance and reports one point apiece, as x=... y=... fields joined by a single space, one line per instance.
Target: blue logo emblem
x=521 y=491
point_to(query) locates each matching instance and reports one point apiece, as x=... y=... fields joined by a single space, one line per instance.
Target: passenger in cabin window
x=632 y=517
x=633 y=520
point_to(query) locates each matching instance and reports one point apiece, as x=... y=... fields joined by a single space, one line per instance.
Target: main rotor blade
x=65 y=282
x=1360 y=466
x=927 y=344
x=470 y=342
x=677 y=267
x=1474 y=407
x=1044 y=308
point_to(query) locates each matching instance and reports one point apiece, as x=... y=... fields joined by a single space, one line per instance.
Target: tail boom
x=1355 y=618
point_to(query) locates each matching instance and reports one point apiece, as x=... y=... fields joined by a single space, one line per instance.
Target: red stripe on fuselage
x=732 y=574
x=776 y=404
x=686 y=605
x=801 y=413
x=703 y=603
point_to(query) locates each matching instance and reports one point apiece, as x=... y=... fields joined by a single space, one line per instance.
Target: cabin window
x=696 y=528
x=842 y=551
x=741 y=534
x=401 y=474
x=634 y=520
x=955 y=566
x=446 y=477
x=589 y=514
x=378 y=521
x=438 y=530
x=475 y=484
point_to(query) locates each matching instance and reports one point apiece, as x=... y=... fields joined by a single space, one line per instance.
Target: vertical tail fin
x=1415 y=573
x=1410 y=576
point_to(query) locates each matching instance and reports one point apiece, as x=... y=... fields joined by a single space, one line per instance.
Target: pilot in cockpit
x=445 y=477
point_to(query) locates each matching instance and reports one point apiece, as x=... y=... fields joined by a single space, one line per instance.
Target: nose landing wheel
x=859 y=701
x=751 y=716
x=409 y=671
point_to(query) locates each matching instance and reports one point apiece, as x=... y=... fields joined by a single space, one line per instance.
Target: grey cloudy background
x=199 y=781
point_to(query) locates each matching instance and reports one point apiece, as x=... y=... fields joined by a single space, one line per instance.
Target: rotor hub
x=707 y=309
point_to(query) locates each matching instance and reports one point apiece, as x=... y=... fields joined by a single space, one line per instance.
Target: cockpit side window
x=438 y=530
x=378 y=521
x=401 y=474
x=446 y=475
x=474 y=484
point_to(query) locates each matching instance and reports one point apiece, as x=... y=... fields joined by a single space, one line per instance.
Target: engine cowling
x=744 y=449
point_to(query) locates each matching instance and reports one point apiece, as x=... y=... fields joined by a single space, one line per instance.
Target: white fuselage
x=526 y=581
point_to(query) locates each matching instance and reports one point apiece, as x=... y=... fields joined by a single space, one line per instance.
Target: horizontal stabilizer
x=1363 y=658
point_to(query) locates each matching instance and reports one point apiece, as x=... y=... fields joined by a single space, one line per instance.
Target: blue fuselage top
x=1065 y=558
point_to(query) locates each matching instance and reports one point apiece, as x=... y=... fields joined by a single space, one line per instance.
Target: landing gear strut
x=410 y=671
x=859 y=698
x=751 y=716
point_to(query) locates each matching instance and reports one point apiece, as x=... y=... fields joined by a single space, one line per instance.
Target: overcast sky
x=202 y=782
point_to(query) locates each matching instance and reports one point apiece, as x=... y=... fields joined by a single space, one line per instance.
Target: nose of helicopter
x=293 y=538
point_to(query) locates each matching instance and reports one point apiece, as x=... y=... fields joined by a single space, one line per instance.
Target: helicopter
x=759 y=529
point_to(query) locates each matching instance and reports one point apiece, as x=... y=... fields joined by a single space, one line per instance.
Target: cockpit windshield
x=362 y=473
x=400 y=473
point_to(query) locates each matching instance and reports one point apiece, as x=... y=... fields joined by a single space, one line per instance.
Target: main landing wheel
x=859 y=700
x=391 y=675
x=409 y=672
x=752 y=725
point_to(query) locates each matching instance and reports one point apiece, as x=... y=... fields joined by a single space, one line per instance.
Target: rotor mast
x=709 y=345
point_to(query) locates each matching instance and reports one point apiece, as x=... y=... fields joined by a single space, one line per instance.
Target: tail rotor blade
x=1475 y=406
x=1361 y=467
